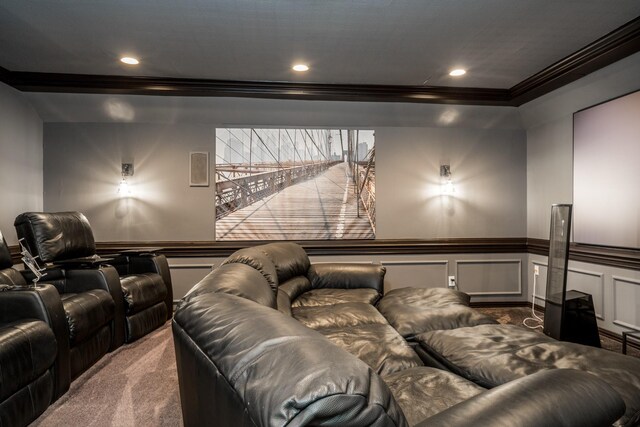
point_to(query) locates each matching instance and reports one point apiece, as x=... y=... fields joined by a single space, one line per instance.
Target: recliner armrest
x=84 y=262
x=141 y=251
x=558 y=397
x=104 y=277
x=347 y=276
x=151 y=263
x=42 y=303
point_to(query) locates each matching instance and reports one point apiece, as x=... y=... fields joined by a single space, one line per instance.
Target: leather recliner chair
x=28 y=348
x=79 y=308
x=65 y=240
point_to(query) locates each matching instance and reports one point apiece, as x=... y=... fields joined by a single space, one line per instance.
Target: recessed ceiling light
x=458 y=72
x=129 y=60
x=300 y=67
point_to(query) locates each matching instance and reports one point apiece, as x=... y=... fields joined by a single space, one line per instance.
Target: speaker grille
x=199 y=169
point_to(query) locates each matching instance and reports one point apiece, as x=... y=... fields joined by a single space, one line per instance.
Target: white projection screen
x=606 y=173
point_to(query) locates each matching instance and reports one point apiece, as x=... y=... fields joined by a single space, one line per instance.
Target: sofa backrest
x=257 y=259
x=347 y=276
x=278 y=371
x=289 y=259
x=57 y=235
x=236 y=279
x=287 y=269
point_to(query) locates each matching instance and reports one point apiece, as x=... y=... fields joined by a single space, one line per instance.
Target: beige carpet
x=136 y=385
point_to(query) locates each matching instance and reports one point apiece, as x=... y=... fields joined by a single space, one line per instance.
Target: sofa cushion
x=257 y=259
x=345 y=315
x=289 y=259
x=317 y=297
x=283 y=302
x=412 y=311
x=87 y=312
x=255 y=348
x=491 y=355
x=236 y=279
x=28 y=349
x=295 y=286
x=142 y=291
x=422 y=391
x=56 y=235
x=11 y=276
x=347 y=276
x=379 y=346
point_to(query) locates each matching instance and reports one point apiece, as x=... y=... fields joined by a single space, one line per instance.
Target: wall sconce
x=446 y=183
x=124 y=189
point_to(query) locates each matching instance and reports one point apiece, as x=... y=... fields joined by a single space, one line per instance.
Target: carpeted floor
x=137 y=385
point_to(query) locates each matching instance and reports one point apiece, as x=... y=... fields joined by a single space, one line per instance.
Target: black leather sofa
x=28 y=350
x=138 y=280
x=268 y=339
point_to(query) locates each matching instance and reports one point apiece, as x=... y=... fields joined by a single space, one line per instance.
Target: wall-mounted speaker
x=199 y=169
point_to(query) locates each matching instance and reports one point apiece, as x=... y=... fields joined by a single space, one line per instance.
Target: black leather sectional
x=84 y=307
x=268 y=339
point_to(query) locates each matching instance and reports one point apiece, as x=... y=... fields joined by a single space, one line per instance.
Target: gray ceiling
x=500 y=42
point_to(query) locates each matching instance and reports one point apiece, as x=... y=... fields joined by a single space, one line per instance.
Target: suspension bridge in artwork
x=294 y=184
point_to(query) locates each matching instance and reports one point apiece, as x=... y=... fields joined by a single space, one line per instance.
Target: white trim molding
x=616 y=321
x=491 y=261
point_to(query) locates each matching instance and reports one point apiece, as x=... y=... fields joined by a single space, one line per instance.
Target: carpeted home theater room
x=320 y=212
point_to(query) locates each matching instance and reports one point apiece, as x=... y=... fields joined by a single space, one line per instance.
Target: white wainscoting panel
x=489 y=276
x=185 y=276
x=626 y=300
x=415 y=273
x=541 y=282
x=590 y=282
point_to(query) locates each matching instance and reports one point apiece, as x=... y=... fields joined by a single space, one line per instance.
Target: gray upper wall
x=548 y=122
x=88 y=136
x=487 y=147
x=83 y=160
x=20 y=159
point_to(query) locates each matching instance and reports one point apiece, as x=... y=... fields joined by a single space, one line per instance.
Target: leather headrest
x=56 y=236
x=258 y=260
x=5 y=255
x=289 y=258
x=236 y=279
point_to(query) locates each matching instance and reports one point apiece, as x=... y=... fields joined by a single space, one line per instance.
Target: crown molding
x=616 y=45
x=140 y=85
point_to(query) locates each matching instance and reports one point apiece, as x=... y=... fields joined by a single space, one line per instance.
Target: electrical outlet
x=536 y=270
x=452 y=281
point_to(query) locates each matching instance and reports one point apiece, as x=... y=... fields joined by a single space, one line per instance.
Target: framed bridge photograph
x=294 y=184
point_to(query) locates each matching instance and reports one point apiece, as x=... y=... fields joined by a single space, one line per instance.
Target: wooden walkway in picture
x=322 y=208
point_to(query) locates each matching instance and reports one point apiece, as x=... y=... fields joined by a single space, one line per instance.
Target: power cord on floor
x=535 y=317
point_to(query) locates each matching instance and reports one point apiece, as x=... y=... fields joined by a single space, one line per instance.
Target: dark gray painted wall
x=549 y=125
x=548 y=122
x=20 y=159
x=83 y=161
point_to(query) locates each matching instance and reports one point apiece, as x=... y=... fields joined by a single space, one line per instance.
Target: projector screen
x=606 y=173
